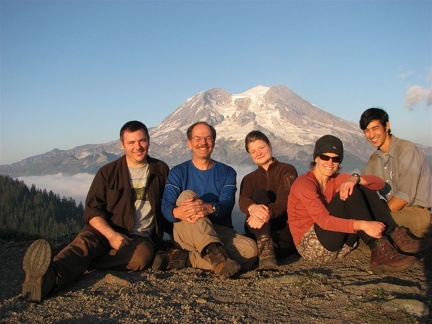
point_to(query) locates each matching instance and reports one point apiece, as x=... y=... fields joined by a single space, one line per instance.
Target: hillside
x=32 y=212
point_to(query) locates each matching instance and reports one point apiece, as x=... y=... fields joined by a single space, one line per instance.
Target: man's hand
x=115 y=239
x=191 y=210
x=118 y=240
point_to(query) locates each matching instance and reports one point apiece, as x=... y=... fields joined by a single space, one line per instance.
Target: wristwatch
x=214 y=209
x=358 y=177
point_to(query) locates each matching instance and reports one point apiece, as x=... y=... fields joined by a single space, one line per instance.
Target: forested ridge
x=28 y=212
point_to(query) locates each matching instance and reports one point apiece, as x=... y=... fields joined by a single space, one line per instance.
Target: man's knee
x=418 y=221
x=141 y=257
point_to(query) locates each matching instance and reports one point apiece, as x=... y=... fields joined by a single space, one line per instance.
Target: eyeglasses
x=335 y=159
x=201 y=138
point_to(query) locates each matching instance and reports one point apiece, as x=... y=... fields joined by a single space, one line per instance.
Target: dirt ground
x=344 y=291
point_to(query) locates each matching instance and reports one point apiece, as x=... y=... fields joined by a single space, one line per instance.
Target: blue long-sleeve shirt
x=216 y=185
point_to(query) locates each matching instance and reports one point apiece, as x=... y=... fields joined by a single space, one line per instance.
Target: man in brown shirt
x=123 y=223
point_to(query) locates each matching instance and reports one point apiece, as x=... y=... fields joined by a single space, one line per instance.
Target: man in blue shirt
x=199 y=197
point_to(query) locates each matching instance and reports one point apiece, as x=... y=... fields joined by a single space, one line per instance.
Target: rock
x=411 y=306
x=109 y=278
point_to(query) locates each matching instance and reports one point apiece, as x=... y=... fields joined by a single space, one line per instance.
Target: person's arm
x=285 y=181
x=190 y=210
x=116 y=239
x=308 y=193
x=172 y=191
x=408 y=168
x=246 y=193
x=396 y=203
x=257 y=214
x=226 y=200
x=346 y=188
x=371 y=228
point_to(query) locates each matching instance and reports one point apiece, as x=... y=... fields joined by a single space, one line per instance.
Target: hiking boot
x=40 y=274
x=171 y=259
x=266 y=253
x=404 y=241
x=385 y=258
x=223 y=265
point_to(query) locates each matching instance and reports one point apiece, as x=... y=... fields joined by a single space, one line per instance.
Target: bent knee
x=142 y=257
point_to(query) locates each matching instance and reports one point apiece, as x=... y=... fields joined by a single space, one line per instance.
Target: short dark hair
x=191 y=127
x=253 y=136
x=374 y=114
x=133 y=126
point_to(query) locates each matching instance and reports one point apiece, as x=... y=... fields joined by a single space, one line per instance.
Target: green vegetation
x=31 y=213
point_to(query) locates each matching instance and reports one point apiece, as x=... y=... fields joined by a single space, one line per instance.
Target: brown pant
x=91 y=250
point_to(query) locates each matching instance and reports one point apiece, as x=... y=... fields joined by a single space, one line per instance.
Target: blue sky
x=73 y=72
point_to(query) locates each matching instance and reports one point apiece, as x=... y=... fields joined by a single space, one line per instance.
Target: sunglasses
x=335 y=159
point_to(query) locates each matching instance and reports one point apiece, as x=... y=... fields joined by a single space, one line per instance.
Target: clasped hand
x=258 y=216
x=191 y=210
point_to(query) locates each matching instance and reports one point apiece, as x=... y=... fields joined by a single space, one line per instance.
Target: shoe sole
x=37 y=260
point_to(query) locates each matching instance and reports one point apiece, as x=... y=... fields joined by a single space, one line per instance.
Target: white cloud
x=429 y=75
x=416 y=94
x=405 y=74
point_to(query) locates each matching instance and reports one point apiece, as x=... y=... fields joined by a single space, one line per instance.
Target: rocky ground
x=341 y=292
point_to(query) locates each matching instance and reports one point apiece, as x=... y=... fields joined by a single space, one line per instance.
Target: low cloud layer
x=75 y=186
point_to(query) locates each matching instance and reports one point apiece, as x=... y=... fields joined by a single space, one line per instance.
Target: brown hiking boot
x=385 y=258
x=403 y=240
x=223 y=265
x=40 y=274
x=171 y=259
x=266 y=253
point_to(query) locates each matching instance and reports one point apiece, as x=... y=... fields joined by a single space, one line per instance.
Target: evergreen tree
x=31 y=212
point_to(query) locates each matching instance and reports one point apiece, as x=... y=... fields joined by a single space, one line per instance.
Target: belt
x=417 y=206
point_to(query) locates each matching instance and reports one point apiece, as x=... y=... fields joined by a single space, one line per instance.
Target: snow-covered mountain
x=292 y=124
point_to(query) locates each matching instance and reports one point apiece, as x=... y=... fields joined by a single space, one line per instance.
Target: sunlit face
x=377 y=135
x=329 y=167
x=261 y=153
x=202 y=142
x=136 y=146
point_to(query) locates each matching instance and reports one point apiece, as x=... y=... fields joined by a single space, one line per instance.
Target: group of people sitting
x=321 y=214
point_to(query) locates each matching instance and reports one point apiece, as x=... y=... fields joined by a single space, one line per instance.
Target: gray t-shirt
x=144 y=217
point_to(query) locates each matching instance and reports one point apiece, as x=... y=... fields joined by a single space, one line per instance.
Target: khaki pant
x=195 y=237
x=418 y=220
